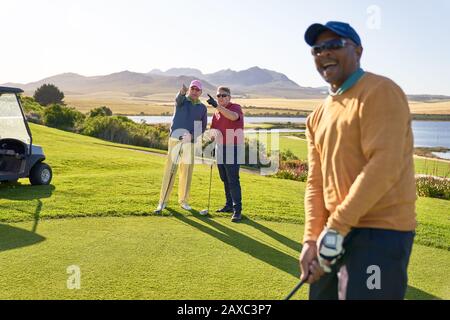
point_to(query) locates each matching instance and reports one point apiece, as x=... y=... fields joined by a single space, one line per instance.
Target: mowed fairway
x=98 y=215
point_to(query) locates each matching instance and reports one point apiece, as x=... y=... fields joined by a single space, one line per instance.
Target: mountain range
x=246 y=83
x=250 y=83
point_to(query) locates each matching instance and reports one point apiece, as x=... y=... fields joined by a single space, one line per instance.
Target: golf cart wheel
x=41 y=174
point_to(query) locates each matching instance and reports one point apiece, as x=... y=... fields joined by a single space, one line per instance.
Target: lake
x=168 y=119
x=426 y=133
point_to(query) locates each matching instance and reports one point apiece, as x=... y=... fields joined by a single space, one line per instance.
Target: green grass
x=174 y=257
x=153 y=258
x=127 y=182
x=296 y=145
x=433 y=214
x=286 y=142
x=422 y=166
x=432 y=167
x=128 y=253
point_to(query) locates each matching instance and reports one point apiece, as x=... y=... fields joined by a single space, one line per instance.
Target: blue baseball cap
x=340 y=28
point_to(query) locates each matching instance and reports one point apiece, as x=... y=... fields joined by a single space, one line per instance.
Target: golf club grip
x=290 y=295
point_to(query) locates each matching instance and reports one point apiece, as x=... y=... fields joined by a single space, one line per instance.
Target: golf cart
x=19 y=158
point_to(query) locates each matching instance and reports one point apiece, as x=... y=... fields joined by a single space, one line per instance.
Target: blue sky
x=407 y=41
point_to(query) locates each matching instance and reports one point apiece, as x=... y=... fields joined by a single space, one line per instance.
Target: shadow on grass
x=274 y=235
x=14 y=238
x=20 y=192
x=262 y=251
x=416 y=294
x=244 y=243
x=36 y=216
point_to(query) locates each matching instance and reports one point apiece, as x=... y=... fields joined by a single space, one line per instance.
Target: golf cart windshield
x=12 y=123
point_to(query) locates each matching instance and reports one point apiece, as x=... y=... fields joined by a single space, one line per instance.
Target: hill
x=131 y=83
x=253 y=81
x=152 y=93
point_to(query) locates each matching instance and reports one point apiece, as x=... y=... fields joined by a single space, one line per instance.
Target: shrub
x=288 y=155
x=48 y=94
x=291 y=175
x=291 y=168
x=62 y=117
x=123 y=130
x=33 y=110
x=102 y=112
x=433 y=187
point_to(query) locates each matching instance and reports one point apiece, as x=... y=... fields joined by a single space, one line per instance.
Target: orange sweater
x=361 y=166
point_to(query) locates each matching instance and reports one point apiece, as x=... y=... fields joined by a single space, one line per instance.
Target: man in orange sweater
x=360 y=196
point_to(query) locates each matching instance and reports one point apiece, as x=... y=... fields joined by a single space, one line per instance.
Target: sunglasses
x=334 y=44
x=195 y=89
x=222 y=95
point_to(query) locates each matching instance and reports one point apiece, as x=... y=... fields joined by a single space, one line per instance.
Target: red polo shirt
x=234 y=128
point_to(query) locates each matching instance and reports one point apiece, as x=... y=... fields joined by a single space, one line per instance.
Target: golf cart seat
x=12 y=147
x=12 y=152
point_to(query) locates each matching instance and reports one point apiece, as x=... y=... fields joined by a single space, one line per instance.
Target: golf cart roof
x=10 y=90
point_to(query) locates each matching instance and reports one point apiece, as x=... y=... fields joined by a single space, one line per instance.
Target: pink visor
x=196 y=83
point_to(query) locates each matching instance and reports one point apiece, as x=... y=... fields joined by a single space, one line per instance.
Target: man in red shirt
x=228 y=122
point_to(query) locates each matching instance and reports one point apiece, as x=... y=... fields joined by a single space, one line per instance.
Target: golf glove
x=330 y=248
x=211 y=101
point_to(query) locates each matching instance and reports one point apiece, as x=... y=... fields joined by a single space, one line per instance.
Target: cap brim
x=316 y=29
x=313 y=32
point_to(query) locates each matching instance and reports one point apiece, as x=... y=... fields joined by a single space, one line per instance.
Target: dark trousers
x=374 y=267
x=229 y=174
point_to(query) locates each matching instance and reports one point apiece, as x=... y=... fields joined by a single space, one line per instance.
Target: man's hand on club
x=330 y=248
x=183 y=90
x=309 y=266
x=211 y=101
x=213 y=134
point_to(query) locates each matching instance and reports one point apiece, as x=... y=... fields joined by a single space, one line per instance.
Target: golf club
x=173 y=170
x=290 y=295
x=206 y=211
